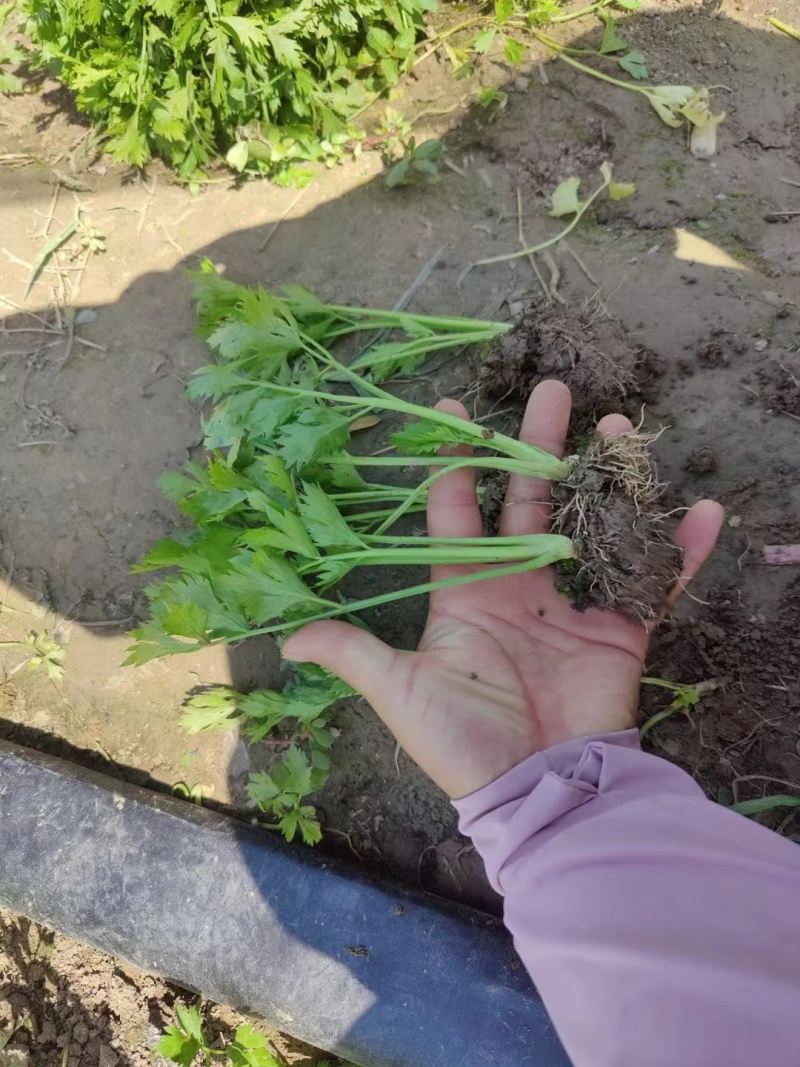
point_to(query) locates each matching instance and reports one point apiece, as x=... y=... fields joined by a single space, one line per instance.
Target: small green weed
x=492 y=94
x=181 y=1044
x=90 y=237
x=392 y=134
x=418 y=162
x=674 y=172
x=686 y=697
x=41 y=650
x=79 y=236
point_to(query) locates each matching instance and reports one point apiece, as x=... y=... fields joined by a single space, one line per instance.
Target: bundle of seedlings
x=283 y=511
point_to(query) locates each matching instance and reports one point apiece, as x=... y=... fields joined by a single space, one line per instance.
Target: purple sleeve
x=661 y=929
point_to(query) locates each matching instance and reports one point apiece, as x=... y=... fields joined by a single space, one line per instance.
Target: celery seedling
x=686 y=697
x=182 y=1042
x=283 y=512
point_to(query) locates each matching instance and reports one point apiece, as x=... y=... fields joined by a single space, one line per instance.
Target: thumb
x=358 y=657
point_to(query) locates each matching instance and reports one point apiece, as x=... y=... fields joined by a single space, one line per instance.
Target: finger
x=452 y=501
x=526 y=509
x=613 y=425
x=696 y=534
x=355 y=655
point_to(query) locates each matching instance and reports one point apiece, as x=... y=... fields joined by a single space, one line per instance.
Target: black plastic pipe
x=371 y=971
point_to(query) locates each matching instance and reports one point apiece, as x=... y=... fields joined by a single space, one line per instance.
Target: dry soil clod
x=591 y=353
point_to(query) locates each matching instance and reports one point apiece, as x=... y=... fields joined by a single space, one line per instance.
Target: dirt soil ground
x=64 y=1003
x=701 y=267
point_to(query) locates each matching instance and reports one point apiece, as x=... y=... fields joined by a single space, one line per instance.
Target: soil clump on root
x=590 y=353
x=610 y=506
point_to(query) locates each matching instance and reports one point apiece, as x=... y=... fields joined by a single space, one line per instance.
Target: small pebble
x=773 y=298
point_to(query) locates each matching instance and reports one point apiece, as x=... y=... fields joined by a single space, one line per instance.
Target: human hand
x=508 y=667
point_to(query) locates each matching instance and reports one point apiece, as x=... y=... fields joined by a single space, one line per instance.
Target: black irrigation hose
x=371 y=971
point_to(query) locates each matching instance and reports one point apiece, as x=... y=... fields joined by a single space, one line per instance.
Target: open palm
x=505 y=667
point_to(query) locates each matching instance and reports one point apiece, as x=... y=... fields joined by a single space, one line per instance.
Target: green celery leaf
x=250 y=1049
x=266 y=347
x=263 y=709
x=264 y=537
x=186 y=620
x=261 y=789
x=294 y=772
x=249 y=32
x=10 y=83
x=483 y=41
x=565 y=200
x=303 y=302
x=225 y=617
x=215 y=709
x=166 y=125
x=177 y=1047
x=335 y=476
x=317 y=432
x=152 y=643
x=311 y=674
x=267 y=587
x=611 y=42
x=286 y=51
x=164 y=553
x=130 y=145
x=635 y=64
x=176 y=487
x=191 y=1022
x=329 y=570
x=309 y=826
x=514 y=51
x=324 y=522
x=424 y=438
x=213 y=382
x=206 y=552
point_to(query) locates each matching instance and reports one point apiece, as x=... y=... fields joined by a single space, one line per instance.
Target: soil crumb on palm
x=592 y=354
x=611 y=508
